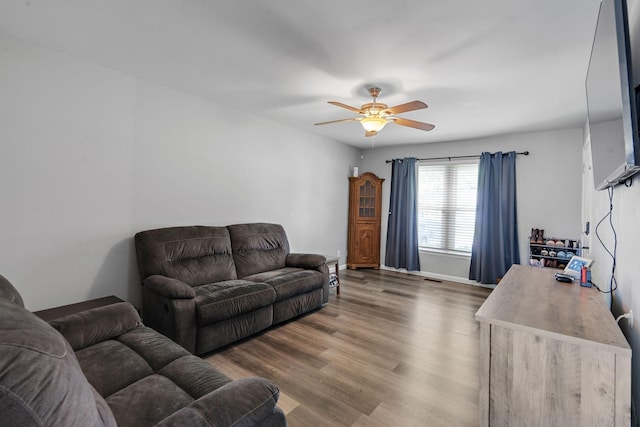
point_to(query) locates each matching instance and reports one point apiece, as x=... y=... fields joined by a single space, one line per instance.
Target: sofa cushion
x=243 y=402
x=289 y=281
x=157 y=350
x=134 y=355
x=224 y=300
x=99 y=324
x=34 y=353
x=148 y=401
x=195 y=255
x=102 y=360
x=258 y=247
x=194 y=375
x=146 y=377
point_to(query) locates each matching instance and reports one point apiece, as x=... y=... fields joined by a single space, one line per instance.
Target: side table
x=335 y=261
x=65 y=310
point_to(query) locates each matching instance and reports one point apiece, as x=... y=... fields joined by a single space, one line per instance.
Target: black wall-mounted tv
x=611 y=99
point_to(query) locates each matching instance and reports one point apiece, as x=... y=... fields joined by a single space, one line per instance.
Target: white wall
x=548 y=186
x=89 y=156
x=626 y=221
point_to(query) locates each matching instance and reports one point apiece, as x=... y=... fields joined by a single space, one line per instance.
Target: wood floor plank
x=392 y=349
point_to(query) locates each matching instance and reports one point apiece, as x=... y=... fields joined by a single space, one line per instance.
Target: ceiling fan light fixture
x=373 y=124
x=376 y=114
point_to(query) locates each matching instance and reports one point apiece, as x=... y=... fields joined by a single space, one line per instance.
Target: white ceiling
x=484 y=67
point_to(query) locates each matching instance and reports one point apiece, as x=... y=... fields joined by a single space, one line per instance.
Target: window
x=447 y=206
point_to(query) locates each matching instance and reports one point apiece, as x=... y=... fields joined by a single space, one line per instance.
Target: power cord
x=613 y=284
x=600 y=290
x=628 y=315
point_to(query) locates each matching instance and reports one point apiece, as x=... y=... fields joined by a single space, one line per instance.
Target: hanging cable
x=613 y=284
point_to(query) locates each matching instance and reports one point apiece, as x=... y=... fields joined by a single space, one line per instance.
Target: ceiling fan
x=375 y=115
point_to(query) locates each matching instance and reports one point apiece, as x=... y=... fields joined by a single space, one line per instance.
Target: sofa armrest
x=89 y=327
x=309 y=261
x=168 y=306
x=246 y=401
x=168 y=287
x=312 y=262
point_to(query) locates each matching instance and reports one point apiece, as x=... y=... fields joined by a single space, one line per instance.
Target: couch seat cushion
x=224 y=300
x=155 y=376
x=148 y=401
x=135 y=354
x=99 y=362
x=290 y=281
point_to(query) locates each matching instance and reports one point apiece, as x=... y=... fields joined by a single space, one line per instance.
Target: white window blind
x=447 y=205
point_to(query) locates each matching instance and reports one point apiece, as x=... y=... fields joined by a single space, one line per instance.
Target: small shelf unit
x=555 y=254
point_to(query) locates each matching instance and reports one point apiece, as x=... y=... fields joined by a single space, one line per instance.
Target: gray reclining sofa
x=205 y=287
x=103 y=367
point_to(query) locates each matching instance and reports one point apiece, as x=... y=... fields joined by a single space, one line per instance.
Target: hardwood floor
x=392 y=350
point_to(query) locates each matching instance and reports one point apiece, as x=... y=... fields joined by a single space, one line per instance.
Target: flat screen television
x=611 y=99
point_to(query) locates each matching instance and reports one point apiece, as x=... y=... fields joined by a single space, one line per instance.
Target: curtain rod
x=524 y=153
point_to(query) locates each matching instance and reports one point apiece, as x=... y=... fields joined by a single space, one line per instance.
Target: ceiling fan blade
x=348 y=107
x=413 y=124
x=370 y=133
x=409 y=106
x=353 y=119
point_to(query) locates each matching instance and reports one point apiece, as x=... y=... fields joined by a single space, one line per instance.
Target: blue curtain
x=495 y=240
x=402 y=230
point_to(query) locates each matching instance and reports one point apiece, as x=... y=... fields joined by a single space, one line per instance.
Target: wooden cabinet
x=363 y=241
x=551 y=354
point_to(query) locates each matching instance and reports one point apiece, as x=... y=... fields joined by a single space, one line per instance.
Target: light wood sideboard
x=551 y=354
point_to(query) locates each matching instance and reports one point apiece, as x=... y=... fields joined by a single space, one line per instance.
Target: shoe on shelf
x=535 y=235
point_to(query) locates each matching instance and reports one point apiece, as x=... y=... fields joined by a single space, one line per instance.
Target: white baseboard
x=437 y=276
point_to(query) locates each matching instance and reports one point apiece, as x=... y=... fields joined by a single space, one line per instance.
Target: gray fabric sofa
x=205 y=287
x=103 y=367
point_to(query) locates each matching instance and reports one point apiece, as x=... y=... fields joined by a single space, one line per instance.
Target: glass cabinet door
x=367 y=200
